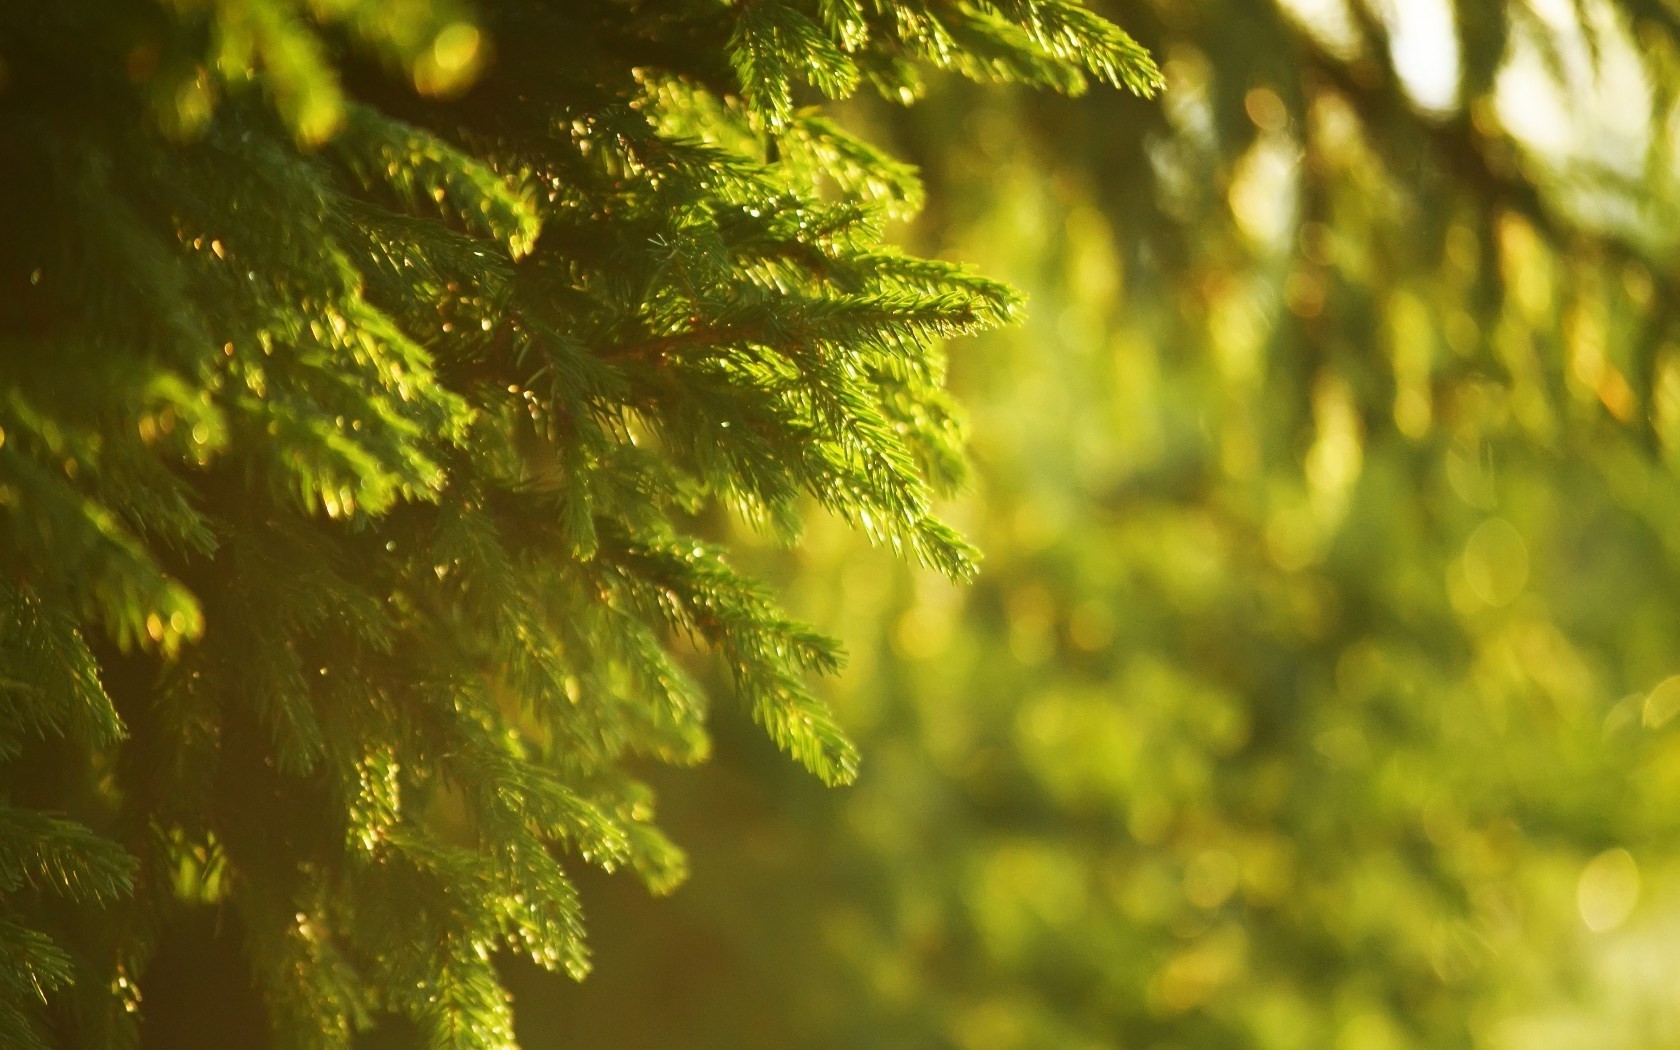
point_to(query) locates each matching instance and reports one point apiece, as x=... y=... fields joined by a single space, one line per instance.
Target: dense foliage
x=368 y=369
x=1317 y=690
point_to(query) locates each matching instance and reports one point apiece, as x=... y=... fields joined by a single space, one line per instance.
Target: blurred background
x=1322 y=685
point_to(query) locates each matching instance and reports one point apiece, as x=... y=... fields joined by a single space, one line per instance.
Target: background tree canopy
x=1316 y=690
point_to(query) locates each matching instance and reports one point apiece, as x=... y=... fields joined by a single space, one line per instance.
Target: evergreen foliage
x=366 y=371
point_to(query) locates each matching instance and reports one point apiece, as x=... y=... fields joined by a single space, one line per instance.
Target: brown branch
x=703 y=336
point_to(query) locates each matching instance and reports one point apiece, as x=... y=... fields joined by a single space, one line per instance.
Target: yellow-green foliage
x=364 y=368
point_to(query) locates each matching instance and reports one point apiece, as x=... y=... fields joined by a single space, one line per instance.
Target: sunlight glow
x=1599 y=112
x=1425 y=51
x=1328 y=20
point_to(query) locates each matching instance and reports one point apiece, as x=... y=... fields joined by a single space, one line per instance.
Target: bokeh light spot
x=1607 y=890
x=1663 y=703
x=1496 y=562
